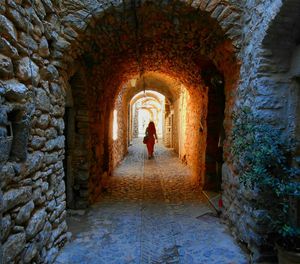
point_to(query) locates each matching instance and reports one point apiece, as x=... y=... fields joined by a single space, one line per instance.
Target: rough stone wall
x=78 y=141
x=265 y=86
x=32 y=102
x=39 y=42
x=119 y=146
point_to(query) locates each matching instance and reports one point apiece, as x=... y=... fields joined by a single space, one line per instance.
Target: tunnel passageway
x=151 y=213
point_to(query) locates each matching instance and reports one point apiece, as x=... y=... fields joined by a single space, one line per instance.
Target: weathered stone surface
x=6 y=226
x=56 y=90
x=24 y=213
x=49 y=73
x=8 y=30
x=7 y=174
x=42 y=100
x=3 y=116
x=15 y=197
x=37 y=196
x=48 y=5
x=19 y=20
x=75 y=22
x=28 y=42
x=2 y=7
x=51 y=206
x=29 y=253
x=28 y=70
x=6 y=67
x=36 y=223
x=43 y=121
x=51 y=255
x=51 y=133
x=59 y=124
x=34 y=162
x=7 y=49
x=13 y=247
x=55 y=144
x=57 y=111
x=61 y=44
x=40 y=9
x=14 y=90
x=60 y=189
x=44 y=48
x=58 y=231
x=43 y=237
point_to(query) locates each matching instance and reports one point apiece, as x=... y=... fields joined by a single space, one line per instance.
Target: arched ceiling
x=157 y=82
x=167 y=37
x=147 y=93
x=277 y=36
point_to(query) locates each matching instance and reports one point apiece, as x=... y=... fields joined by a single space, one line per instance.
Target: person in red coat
x=151 y=137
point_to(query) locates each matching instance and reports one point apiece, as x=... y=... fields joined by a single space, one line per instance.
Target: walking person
x=151 y=137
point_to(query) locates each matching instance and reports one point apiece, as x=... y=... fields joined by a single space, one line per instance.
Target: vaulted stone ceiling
x=169 y=37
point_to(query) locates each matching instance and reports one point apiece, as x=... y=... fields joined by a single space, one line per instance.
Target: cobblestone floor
x=151 y=214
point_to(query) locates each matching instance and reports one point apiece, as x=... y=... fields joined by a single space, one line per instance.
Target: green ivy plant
x=263 y=159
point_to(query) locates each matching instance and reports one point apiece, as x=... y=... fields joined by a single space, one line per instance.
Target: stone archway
x=140 y=23
x=42 y=41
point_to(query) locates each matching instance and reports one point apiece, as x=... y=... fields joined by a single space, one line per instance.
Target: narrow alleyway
x=150 y=214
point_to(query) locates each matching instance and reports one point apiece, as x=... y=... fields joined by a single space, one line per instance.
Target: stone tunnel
x=69 y=69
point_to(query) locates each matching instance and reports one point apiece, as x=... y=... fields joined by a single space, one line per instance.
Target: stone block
x=27 y=70
x=7 y=174
x=36 y=223
x=51 y=255
x=13 y=247
x=42 y=100
x=6 y=67
x=24 y=213
x=29 y=253
x=51 y=133
x=43 y=237
x=28 y=42
x=37 y=142
x=14 y=90
x=55 y=144
x=19 y=20
x=43 y=121
x=8 y=30
x=43 y=48
x=15 y=197
x=6 y=227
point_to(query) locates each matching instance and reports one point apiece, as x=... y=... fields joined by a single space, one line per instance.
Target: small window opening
x=19 y=132
x=115 y=125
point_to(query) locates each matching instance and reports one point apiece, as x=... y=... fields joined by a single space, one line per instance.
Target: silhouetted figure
x=151 y=136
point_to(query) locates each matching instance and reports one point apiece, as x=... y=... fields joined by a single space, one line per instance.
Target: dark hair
x=151 y=125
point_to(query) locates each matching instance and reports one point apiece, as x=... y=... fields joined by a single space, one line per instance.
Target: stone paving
x=151 y=213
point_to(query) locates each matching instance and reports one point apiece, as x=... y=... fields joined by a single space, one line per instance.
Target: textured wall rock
x=14 y=90
x=6 y=67
x=39 y=45
x=36 y=223
x=27 y=70
x=13 y=246
x=16 y=196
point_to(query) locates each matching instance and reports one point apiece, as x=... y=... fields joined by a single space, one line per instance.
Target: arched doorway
x=202 y=63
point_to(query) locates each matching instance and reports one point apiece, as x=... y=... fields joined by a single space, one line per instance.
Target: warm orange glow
x=115 y=125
